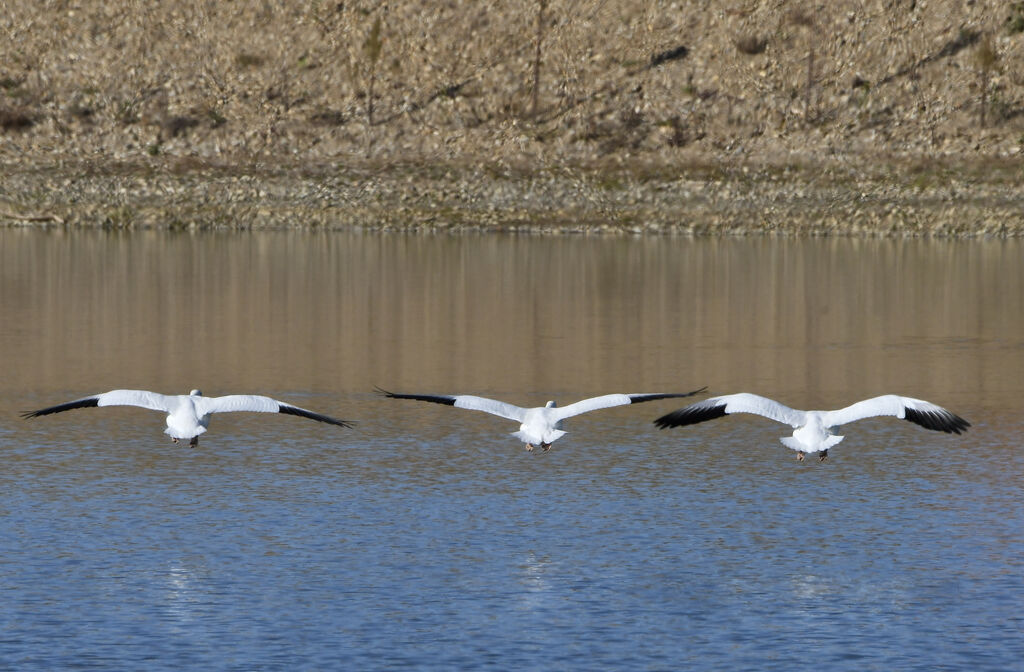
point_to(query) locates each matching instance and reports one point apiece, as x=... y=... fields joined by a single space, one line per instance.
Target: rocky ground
x=888 y=117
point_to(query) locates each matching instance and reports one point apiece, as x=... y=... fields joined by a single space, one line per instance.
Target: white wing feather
x=744 y=402
x=237 y=402
x=492 y=406
x=888 y=404
x=592 y=404
x=140 y=398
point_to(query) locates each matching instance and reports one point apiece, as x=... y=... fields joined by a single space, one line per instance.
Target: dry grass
x=461 y=80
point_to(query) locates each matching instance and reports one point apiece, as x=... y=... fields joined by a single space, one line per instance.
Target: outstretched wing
x=469 y=402
x=919 y=412
x=609 y=400
x=140 y=398
x=258 y=404
x=716 y=407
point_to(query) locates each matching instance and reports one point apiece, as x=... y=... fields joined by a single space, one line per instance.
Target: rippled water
x=427 y=538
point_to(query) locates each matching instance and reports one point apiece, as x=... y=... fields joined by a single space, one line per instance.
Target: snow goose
x=540 y=426
x=813 y=429
x=188 y=415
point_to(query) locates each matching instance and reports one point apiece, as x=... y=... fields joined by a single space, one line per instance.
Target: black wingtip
x=699 y=412
x=303 y=413
x=939 y=421
x=667 y=420
x=78 y=403
x=640 y=398
x=447 y=400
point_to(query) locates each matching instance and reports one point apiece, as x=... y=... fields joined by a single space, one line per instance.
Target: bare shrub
x=987 y=59
x=751 y=44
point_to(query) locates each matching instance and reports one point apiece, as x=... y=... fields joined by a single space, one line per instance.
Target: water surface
x=427 y=538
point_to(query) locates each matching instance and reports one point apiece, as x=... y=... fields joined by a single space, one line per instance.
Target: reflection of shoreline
x=570 y=316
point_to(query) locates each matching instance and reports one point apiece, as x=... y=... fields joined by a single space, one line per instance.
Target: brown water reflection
x=809 y=321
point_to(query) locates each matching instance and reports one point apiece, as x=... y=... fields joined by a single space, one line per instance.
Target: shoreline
x=585 y=117
x=897 y=198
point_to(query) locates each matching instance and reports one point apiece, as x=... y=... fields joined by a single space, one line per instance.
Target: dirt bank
x=889 y=118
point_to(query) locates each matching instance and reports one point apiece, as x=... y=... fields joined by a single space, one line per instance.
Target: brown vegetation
x=272 y=71
x=539 y=82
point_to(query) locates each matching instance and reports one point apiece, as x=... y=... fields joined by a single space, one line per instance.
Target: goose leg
x=823 y=456
x=529 y=447
x=800 y=455
x=173 y=440
x=193 y=442
x=545 y=446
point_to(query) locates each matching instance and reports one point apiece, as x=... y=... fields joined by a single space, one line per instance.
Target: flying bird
x=813 y=429
x=188 y=415
x=540 y=426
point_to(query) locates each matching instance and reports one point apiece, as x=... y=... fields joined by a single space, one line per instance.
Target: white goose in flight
x=813 y=429
x=188 y=415
x=540 y=426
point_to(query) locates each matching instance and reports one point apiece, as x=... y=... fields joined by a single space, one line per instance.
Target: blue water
x=619 y=549
x=426 y=537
